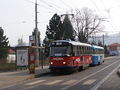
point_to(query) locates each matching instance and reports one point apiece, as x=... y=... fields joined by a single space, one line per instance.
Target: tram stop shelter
x=26 y=57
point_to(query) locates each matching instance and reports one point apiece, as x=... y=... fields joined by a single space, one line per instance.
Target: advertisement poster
x=22 y=57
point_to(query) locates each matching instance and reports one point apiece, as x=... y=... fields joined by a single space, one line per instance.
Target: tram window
x=88 y=50
x=80 y=50
x=96 y=51
x=75 y=50
x=83 y=50
x=91 y=50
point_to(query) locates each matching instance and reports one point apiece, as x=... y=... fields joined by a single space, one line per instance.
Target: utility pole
x=103 y=39
x=36 y=35
x=36 y=22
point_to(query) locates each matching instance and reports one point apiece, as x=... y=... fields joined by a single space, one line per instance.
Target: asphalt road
x=93 y=78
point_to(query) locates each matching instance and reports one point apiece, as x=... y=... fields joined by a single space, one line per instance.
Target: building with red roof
x=114 y=49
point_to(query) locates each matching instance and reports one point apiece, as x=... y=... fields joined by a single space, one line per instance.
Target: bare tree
x=86 y=23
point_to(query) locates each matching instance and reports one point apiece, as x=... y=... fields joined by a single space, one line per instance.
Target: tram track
x=98 y=84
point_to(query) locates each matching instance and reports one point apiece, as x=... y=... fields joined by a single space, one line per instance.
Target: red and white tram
x=69 y=55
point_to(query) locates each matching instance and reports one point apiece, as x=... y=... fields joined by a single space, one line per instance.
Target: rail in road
x=89 y=79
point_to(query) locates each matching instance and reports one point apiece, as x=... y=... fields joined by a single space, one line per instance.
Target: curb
x=118 y=72
x=25 y=78
x=30 y=77
x=40 y=75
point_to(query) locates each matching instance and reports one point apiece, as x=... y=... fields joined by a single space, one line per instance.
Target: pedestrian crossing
x=54 y=82
x=69 y=82
x=35 y=82
x=89 y=82
x=60 y=82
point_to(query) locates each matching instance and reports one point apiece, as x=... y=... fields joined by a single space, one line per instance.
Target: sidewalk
x=9 y=78
x=112 y=83
x=106 y=58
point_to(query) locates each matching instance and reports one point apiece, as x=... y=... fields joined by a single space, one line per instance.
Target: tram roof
x=74 y=42
x=97 y=47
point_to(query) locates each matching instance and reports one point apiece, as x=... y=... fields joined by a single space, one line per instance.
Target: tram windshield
x=60 y=51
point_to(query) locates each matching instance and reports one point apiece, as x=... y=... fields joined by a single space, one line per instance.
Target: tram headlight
x=64 y=62
x=51 y=62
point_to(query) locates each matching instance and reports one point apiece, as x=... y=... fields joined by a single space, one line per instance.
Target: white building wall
x=11 y=58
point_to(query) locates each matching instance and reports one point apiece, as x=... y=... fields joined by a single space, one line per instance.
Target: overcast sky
x=17 y=16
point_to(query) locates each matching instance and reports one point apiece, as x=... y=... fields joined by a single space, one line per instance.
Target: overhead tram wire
x=48 y=4
x=41 y=5
x=96 y=6
x=30 y=1
x=103 y=4
x=109 y=13
x=65 y=4
x=102 y=13
x=113 y=22
x=55 y=5
x=114 y=4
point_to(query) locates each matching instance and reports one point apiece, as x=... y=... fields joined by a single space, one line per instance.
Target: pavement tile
x=112 y=83
x=9 y=78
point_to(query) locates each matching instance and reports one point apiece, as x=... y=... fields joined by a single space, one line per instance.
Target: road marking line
x=104 y=79
x=33 y=83
x=89 y=82
x=89 y=76
x=54 y=82
x=69 y=82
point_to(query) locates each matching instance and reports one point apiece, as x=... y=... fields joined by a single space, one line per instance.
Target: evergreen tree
x=54 y=30
x=3 y=44
x=68 y=31
x=46 y=45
